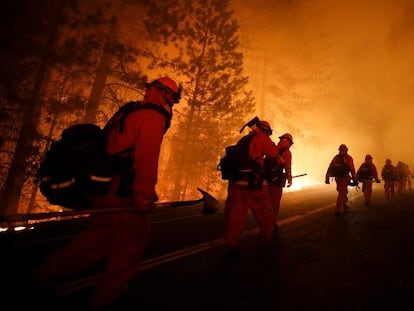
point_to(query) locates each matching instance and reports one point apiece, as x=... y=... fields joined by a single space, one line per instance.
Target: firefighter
x=280 y=176
x=119 y=238
x=388 y=175
x=365 y=174
x=243 y=195
x=342 y=169
x=401 y=177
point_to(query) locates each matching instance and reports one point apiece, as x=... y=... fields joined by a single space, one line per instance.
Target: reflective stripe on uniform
x=63 y=184
x=100 y=178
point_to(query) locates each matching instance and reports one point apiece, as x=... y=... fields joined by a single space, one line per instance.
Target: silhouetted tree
x=58 y=46
x=202 y=41
x=39 y=64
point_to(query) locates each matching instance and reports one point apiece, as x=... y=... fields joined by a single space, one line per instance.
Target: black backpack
x=236 y=163
x=388 y=172
x=365 y=172
x=78 y=166
x=338 y=167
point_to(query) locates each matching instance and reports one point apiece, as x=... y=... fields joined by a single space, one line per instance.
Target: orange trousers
x=367 y=190
x=342 y=189
x=389 y=188
x=119 y=238
x=276 y=193
x=241 y=199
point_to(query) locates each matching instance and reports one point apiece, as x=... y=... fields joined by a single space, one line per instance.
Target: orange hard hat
x=288 y=137
x=169 y=85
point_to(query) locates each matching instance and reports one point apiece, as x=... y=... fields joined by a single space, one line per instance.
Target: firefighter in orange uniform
x=388 y=175
x=401 y=177
x=279 y=175
x=119 y=237
x=341 y=166
x=242 y=195
x=365 y=174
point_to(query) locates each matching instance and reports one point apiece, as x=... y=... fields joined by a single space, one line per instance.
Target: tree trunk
x=102 y=73
x=32 y=200
x=180 y=177
x=13 y=185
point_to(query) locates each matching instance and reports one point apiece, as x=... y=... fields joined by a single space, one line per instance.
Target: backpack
x=77 y=166
x=338 y=167
x=236 y=163
x=365 y=172
x=388 y=172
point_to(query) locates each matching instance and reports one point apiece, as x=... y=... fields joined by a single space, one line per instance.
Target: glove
x=289 y=181
x=327 y=180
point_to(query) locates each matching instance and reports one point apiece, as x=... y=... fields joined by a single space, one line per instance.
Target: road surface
x=360 y=261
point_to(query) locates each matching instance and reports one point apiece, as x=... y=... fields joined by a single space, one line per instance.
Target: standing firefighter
x=118 y=238
x=365 y=174
x=278 y=175
x=402 y=175
x=341 y=166
x=388 y=175
x=249 y=190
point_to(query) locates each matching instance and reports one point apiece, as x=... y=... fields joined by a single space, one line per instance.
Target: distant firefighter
x=402 y=176
x=365 y=174
x=388 y=174
x=342 y=169
x=279 y=176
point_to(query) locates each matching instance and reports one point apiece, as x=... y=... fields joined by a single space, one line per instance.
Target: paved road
x=360 y=261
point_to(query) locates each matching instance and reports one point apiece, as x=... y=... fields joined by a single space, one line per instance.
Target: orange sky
x=353 y=63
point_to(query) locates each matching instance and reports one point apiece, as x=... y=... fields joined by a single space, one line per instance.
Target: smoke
x=353 y=65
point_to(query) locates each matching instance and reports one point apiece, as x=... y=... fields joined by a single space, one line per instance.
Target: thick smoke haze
x=350 y=65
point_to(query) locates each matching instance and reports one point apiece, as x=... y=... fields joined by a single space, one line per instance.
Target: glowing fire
x=299 y=183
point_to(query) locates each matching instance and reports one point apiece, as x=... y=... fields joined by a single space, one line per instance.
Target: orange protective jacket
x=262 y=146
x=372 y=168
x=143 y=132
x=349 y=161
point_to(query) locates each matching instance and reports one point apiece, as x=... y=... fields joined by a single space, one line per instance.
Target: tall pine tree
x=202 y=41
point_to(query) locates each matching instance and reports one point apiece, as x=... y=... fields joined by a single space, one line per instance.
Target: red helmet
x=265 y=126
x=169 y=85
x=288 y=137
